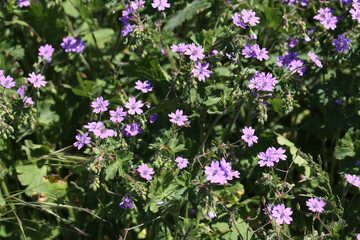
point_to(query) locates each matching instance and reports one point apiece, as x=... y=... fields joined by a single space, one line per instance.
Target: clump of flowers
x=326 y=19
x=220 y=172
x=271 y=156
x=255 y=52
x=71 y=44
x=132 y=129
x=263 y=82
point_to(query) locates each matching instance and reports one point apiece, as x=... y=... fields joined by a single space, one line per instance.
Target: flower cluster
x=326 y=19
x=291 y=61
x=249 y=17
x=263 y=82
x=70 y=44
x=255 y=52
x=271 y=156
x=220 y=172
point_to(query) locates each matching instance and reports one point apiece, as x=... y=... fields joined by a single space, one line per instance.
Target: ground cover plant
x=187 y=119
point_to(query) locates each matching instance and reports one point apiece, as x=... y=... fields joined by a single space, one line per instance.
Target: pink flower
x=195 y=52
x=7 y=82
x=201 y=71
x=315 y=204
x=100 y=105
x=249 y=136
x=182 y=162
x=160 y=4
x=145 y=171
x=46 y=52
x=118 y=115
x=178 y=118
x=238 y=21
x=36 y=80
x=249 y=17
x=134 y=106
x=353 y=180
x=282 y=214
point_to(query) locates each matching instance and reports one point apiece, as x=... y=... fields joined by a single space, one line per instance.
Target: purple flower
x=267 y=210
x=268 y=158
x=296 y=66
x=132 y=129
x=21 y=91
x=279 y=154
x=23 y=3
x=92 y=126
x=153 y=117
x=100 y=105
x=104 y=133
x=128 y=28
x=137 y=4
x=36 y=80
x=342 y=43
x=211 y=214
x=213 y=52
x=181 y=48
x=178 y=118
x=249 y=136
x=71 y=44
x=145 y=171
x=220 y=173
x=260 y=53
x=287 y=59
x=353 y=180
x=201 y=71
x=237 y=20
x=127 y=203
x=7 y=82
x=355 y=14
x=248 y=51
x=81 y=140
x=358 y=236
x=314 y=58
x=263 y=82
x=315 y=204
x=249 y=17
x=28 y=101
x=143 y=86
x=160 y=4
x=46 y=52
x=282 y=214
x=339 y=101
x=182 y=162
x=1 y=72
x=292 y=42
x=195 y=52
x=118 y=115
x=325 y=17
x=134 y=106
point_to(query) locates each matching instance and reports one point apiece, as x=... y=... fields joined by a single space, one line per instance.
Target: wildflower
x=326 y=19
x=358 y=236
x=23 y=3
x=249 y=17
x=248 y=136
x=178 y=118
x=137 y=4
x=145 y=171
x=195 y=52
x=355 y=14
x=237 y=20
x=21 y=91
x=228 y=172
x=314 y=58
x=36 y=80
x=248 y=51
x=118 y=115
x=46 y=52
x=296 y=66
x=127 y=203
x=342 y=43
x=160 y=4
x=1 y=72
x=213 y=52
x=92 y=126
x=100 y=105
x=71 y=44
x=281 y=214
x=211 y=214
x=153 y=117
x=214 y=172
x=353 y=180
x=315 y=204
x=104 y=133
x=263 y=82
x=201 y=71
x=143 y=86
x=292 y=42
x=181 y=48
x=82 y=140
x=260 y=53
x=268 y=158
x=28 y=101
x=134 y=106
x=279 y=154
x=182 y=162
x=267 y=210
x=7 y=82
x=132 y=129
x=287 y=59
x=128 y=28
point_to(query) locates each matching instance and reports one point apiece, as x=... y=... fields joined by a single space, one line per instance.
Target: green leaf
x=32 y=177
x=101 y=35
x=186 y=13
x=121 y=164
x=149 y=69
